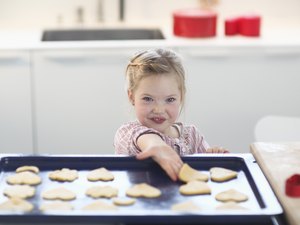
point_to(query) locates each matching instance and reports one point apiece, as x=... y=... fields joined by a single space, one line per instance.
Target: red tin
x=194 y=23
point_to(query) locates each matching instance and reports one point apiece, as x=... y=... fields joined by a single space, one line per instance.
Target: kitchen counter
x=279 y=161
x=31 y=39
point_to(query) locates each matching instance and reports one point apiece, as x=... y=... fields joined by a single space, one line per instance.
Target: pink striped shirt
x=189 y=142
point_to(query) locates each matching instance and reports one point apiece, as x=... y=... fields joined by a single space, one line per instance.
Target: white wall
x=45 y=13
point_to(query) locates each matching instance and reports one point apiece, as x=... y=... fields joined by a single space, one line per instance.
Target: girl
x=156 y=89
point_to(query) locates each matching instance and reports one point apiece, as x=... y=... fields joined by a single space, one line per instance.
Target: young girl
x=156 y=89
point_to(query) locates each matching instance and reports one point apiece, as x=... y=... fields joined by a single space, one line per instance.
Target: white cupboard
x=80 y=99
x=230 y=89
x=15 y=102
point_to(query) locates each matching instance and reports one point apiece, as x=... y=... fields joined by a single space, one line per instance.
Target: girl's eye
x=169 y=100
x=147 y=99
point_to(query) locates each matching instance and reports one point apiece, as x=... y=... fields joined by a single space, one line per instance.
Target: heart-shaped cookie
x=195 y=187
x=231 y=195
x=187 y=174
x=220 y=174
x=143 y=190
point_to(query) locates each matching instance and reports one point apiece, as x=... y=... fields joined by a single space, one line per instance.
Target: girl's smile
x=158 y=120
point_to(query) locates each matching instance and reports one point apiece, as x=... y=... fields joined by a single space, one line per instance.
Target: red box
x=194 y=23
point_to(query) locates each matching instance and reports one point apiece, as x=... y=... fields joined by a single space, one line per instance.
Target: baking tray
x=262 y=203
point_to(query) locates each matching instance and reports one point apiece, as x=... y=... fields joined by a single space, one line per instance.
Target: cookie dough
x=230 y=206
x=100 y=174
x=99 y=205
x=143 y=190
x=16 y=204
x=57 y=205
x=231 y=195
x=195 y=187
x=185 y=206
x=64 y=174
x=33 y=169
x=59 y=193
x=19 y=191
x=123 y=201
x=187 y=174
x=220 y=174
x=25 y=177
x=102 y=191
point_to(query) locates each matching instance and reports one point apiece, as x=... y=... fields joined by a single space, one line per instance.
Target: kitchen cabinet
x=80 y=99
x=15 y=102
x=230 y=89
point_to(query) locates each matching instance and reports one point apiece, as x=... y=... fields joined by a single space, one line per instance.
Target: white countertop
x=31 y=40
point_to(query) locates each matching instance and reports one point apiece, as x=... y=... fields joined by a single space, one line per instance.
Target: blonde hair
x=155 y=62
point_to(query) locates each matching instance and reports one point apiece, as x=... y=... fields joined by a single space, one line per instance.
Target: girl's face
x=157 y=102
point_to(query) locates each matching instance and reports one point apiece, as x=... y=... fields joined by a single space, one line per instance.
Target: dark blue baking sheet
x=128 y=171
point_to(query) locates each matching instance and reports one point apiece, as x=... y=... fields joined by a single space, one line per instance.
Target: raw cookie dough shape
x=100 y=174
x=16 y=204
x=99 y=205
x=57 y=205
x=195 y=187
x=185 y=206
x=220 y=174
x=19 y=191
x=33 y=169
x=25 y=177
x=231 y=195
x=59 y=193
x=64 y=174
x=143 y=190
x=230 y=206
x=123 y=201
x=102 y=192
x=187 y=174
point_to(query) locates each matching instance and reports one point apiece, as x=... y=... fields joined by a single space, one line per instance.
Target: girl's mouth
x=158 y=120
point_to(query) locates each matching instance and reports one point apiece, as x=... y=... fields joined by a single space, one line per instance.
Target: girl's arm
x=153 y=146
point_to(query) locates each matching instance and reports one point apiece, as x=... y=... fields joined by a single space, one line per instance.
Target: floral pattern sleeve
x=125 y=141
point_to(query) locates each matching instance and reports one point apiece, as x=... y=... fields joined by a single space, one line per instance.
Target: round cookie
x=124 y=201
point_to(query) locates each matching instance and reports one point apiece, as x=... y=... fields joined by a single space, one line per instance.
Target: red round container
x=194 y=23
x=249 y=25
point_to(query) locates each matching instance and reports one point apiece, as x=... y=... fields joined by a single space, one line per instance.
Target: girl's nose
x=158 y=108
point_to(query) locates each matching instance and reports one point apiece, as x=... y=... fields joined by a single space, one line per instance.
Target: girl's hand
x=217 y=150
x=166 y=157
